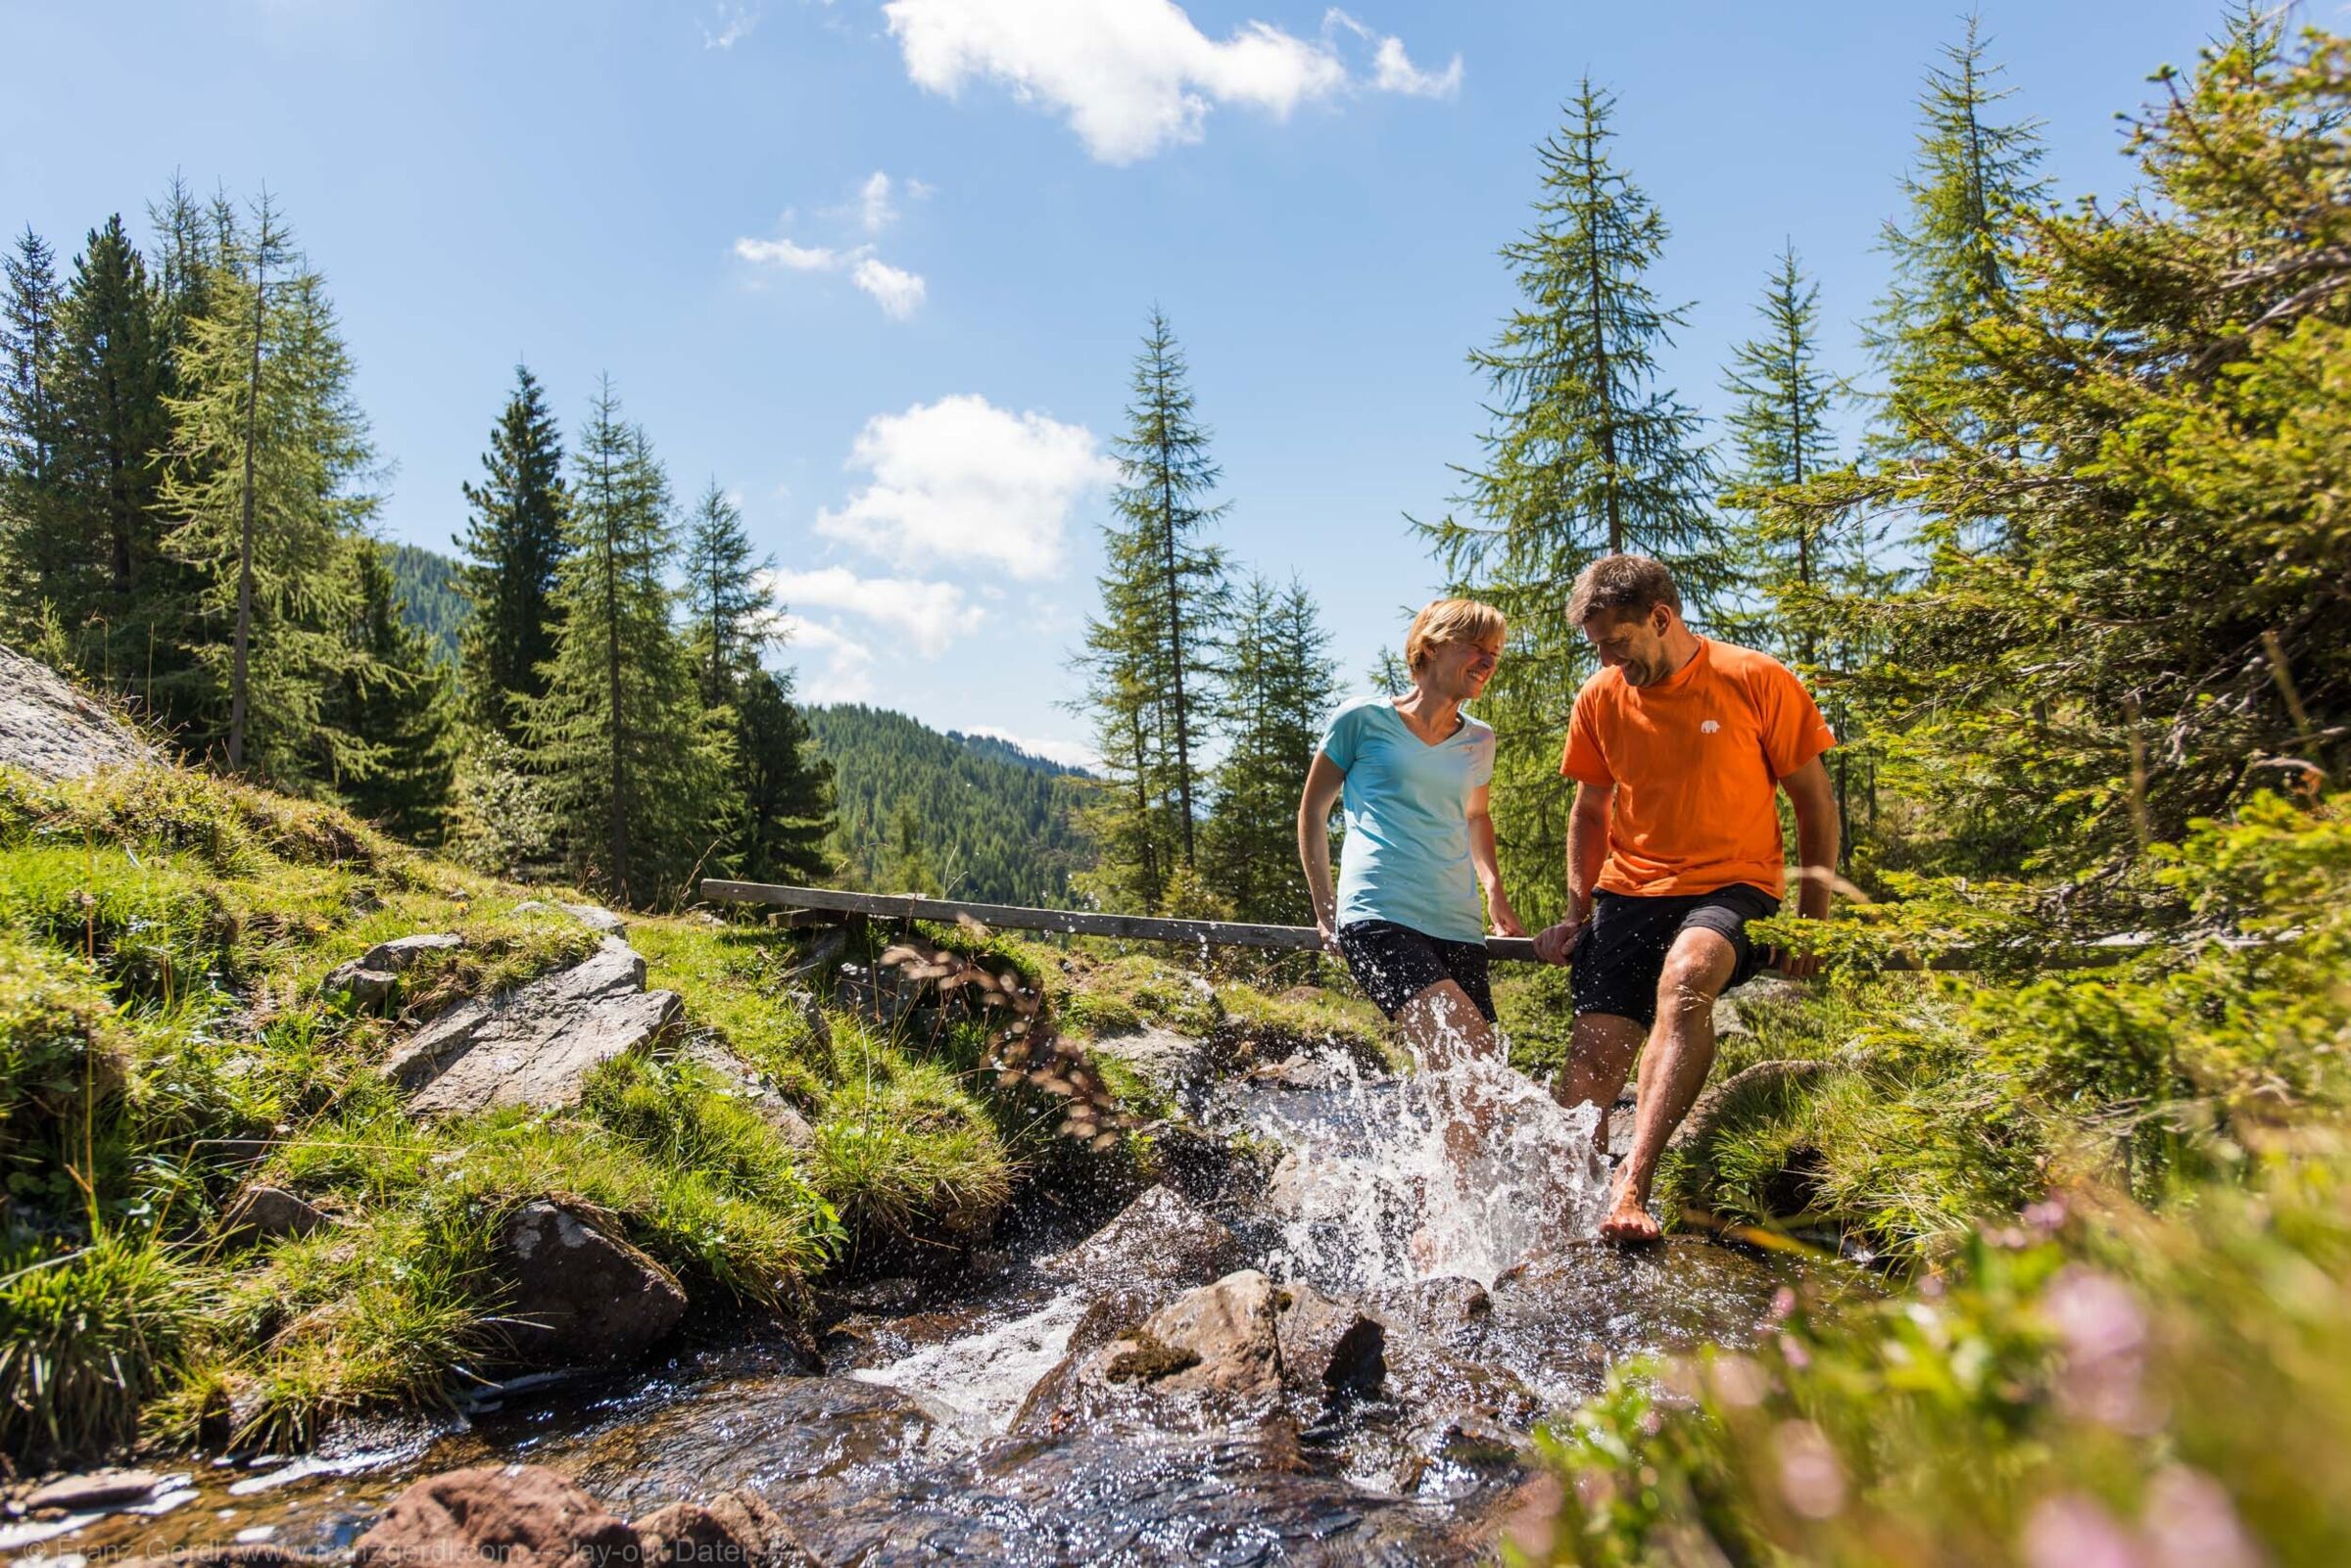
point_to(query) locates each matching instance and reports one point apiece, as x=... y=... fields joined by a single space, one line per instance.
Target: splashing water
x=1458 y=1171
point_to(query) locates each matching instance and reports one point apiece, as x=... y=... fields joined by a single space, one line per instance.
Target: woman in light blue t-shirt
x=1413 y=772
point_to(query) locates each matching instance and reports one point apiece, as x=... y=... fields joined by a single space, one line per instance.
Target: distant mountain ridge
x=427 y=584
x=972 y=816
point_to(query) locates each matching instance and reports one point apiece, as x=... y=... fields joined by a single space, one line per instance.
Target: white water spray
x=1464 y=1170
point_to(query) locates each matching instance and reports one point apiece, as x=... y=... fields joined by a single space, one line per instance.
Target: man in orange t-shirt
x=1678 y=748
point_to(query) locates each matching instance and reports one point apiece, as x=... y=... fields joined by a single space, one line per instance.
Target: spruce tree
x=112 y=377
x=37 y=566
x=396 y=703
x=1164 y=599
x=638 y=765
x=1588 y=456
x=1781 y=405
x=1280 y=686
x=786 y=789
x=729 y=619
x=1970 y=181
x=514 y=543
x=266 y=478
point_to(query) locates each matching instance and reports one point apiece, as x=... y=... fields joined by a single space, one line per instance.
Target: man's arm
x=1587 y=852
x=1814 y=797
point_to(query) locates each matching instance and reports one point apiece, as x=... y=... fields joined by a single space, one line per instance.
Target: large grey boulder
x=536 y=1044
x=49 y=728
x=1241 y=1350
x=579 y=1292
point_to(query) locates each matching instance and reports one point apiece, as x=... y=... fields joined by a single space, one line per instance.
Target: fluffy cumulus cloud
x=927 y=616
x=735 y=24
x=1135 y=76
x=960 y=482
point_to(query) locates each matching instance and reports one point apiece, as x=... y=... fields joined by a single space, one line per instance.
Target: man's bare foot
x=1628 y=1218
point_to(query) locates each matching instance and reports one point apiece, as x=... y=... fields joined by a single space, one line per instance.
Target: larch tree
x=1588 y=455
x=513 y=547
x=398 y=702
x=637 y=764
x=1164 y=599
x=1279 y=684
x=777 y=805
x=266 y=478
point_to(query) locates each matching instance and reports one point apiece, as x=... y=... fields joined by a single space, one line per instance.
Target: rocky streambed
x=1215 y=1376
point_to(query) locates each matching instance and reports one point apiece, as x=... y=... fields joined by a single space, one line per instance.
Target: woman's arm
x=1323 y=781
x=1489 y=865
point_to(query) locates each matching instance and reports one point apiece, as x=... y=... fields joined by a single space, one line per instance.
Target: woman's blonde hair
x=1449 y=620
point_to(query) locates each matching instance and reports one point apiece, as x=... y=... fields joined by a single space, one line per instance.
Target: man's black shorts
x=1394 y=964
x=1622 y=952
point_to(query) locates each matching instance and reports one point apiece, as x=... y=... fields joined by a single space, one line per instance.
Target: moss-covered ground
x=168 y=1039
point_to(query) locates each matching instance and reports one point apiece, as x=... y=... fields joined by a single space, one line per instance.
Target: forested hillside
x=426 y=583
x=925 y=811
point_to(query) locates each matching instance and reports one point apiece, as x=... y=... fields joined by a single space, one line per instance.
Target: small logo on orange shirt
x=1708 y=728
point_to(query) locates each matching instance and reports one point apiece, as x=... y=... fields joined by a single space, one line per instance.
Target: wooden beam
x=1198 y=933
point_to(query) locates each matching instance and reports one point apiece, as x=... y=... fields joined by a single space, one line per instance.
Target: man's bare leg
x=1673 y=1068
x=1600 y=1053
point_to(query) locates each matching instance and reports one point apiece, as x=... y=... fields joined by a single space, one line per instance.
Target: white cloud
x=873 y=209
x=736 y=23
x=926 y=615
x=1134 y=75
x=1068 y=753
x=961 y=480
x=844 y=671
x=784 y=254
x=899 y=292
x=1393 y=71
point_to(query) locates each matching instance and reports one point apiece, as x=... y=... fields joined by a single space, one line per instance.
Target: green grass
x=87 y=1335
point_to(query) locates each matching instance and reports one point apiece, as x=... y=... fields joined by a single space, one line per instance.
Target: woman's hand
x=1505 y=919
x=1330 y=938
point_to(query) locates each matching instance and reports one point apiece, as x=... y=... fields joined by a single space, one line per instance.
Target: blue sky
x=880 y=270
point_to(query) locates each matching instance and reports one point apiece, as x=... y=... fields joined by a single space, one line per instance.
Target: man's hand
x=1557 y=944
x=1795 y=966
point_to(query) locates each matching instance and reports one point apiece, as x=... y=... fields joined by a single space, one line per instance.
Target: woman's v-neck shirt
x=1406 y=857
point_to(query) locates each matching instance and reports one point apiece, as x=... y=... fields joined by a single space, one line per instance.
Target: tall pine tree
x=1163 y=602
x=38 y=565
x=1588 y=456
x=779 y=805
x=1279 y=684
x=1971 y=180
x=514 y=543
x=637 y=764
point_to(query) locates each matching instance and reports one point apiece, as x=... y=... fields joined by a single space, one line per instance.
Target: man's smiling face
x=1632 y=643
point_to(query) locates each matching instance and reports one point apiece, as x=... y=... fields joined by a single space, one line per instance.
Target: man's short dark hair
x=1622 y=584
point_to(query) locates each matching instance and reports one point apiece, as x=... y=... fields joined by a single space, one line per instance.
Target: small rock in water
x=734 y=1530
x=100 y=1488
x=525 y=1515
x=1160 y=1238
x=581 y=1294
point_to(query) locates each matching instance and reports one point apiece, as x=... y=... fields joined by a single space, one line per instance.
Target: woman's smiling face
x=1460 y=669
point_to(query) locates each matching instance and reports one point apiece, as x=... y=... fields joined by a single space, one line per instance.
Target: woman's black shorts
x=1394 y=964
x=1622 y=955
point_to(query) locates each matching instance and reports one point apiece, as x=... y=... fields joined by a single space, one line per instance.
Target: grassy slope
x=164 y=936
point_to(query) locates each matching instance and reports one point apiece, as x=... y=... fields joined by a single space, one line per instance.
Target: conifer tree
x=1280 y=686
x=1970 y=178
x=1588 y=456
x=33 y=570
x=514 y=541
x=265 y=477
x=1165 y=599
x=1782 y=401
x=396 y=703
x=637 y=764
x=779 y=807
x=111 y=376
